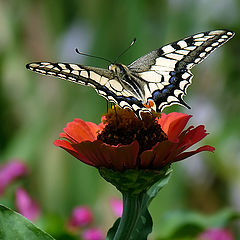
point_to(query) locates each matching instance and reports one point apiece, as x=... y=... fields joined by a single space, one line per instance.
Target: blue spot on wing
x=172 y=80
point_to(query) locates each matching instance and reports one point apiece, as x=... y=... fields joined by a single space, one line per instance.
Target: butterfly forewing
x=166 y=71
x=161 y=76
x=102 y=80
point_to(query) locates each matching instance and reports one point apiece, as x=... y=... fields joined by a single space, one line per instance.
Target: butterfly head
x=118 y=69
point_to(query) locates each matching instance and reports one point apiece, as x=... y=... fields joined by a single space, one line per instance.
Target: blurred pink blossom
x=216 y=234
x=11 y=171
x=81 y=216
x=93 y=234
x=117 y=206
x=26 y=205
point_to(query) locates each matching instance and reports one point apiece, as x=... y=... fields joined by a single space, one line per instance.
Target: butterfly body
x=154 y=81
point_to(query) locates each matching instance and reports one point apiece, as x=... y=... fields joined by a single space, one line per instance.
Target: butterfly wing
x=166 y=71
x=162 y=75
x=102 y=80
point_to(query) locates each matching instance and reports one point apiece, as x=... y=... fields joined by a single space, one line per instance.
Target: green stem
x=132 y=205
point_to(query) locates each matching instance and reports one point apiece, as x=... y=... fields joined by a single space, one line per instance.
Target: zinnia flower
x=122 y=141
x=26 y=205
x=133 y=154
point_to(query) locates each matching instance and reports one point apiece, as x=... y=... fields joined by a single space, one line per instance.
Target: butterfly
x=153 y=81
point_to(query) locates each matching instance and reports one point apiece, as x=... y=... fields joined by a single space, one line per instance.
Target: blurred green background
x=34 y=108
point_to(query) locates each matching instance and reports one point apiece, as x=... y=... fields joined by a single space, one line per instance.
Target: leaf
x=15 y=226
x=153 y=191
x=189 y=224
x=221 y=219
x=144 y=225
x=113 y=229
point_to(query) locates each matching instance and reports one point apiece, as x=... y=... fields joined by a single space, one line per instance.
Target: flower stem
x=132 y=205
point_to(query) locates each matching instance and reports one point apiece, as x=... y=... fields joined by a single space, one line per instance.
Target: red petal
x=102 y=124
x=70 y=149
x=173 y=124
x=115 y=157
x=79 y=131
x=189 y=154
x=160 y=155
x=165 y=154
x=192 y=136
x=64 y=135
x=94 y=128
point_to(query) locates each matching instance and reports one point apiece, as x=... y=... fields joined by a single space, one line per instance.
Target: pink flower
x=81 y=216
x=216 y=234
x=93 y=234
x=26 y=205
x=11 y=171
x=117 y=206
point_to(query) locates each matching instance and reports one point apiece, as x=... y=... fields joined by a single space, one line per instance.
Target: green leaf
x=113 y=230
x=15 y=226
x=153 y=191
x=189 y=224
x=144 y=225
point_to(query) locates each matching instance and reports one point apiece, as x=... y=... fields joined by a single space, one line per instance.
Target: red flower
x=122 y=141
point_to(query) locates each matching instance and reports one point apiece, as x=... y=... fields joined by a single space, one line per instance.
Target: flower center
x=122 y=126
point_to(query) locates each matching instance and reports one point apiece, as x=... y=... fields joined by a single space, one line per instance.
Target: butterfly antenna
x=88 y=55
x=134 y=40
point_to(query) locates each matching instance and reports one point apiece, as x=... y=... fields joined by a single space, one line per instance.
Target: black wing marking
x=165 y=71
x=102 y=80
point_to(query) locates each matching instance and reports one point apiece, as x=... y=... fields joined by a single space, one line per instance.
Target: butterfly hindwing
x=166 y=71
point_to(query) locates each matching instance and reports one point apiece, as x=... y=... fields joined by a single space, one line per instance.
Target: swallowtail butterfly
x=154 y=81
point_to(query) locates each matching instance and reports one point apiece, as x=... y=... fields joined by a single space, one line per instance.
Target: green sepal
x=15 y=226
x=134 y=181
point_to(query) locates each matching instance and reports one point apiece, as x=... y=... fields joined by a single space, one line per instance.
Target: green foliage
x=181 y=225
x=15 y=226
x=113 y=230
